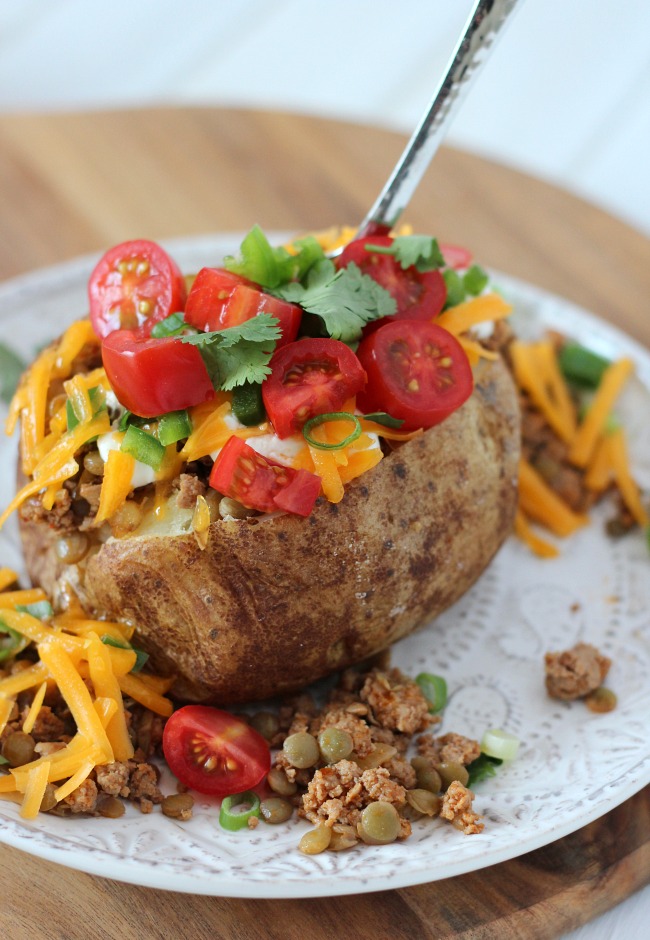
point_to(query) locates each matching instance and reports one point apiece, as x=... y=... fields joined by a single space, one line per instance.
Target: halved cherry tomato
x=308 y=378
x=417 y=371
x=135 y=284
x=213 y=752
x=259 y=483
x=456 y=256
x=153 y=376
x=219 y=299
x=419 y=295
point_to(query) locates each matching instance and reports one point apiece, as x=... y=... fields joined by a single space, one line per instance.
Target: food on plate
x=579 y=672
x=278 y=475
x=79 y=722
x=574 y=450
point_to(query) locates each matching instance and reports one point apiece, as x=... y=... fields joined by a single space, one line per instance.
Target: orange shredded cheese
x=201 y=521
x=6 y=708
x=628 y=488
x=106 y=685
x=34 y=708
x=32 y=407
x=37 y=780
x=464 y=316
x=588 y=433
x=79 y=334
x=539 y=502
x=140 y=692
x=116 y=484
x=536 y=372
x=75 y=780
x=7 y=577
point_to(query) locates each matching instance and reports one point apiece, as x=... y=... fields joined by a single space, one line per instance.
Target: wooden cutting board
x=73 y=184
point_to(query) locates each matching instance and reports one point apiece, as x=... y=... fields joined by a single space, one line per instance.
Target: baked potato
x=268 y=603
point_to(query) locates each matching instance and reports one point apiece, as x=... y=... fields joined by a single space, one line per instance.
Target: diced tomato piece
x=419 y=295
x=214 y=752
x=309 y=378
x=417 y=371
x=456 y=256
x=153 y=376
x=262 y=484
x=133 y=285
x=219 y=299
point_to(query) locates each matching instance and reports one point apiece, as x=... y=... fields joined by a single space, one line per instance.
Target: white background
x=566 y=95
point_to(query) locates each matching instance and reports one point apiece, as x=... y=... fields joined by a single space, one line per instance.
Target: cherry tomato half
x=417 y=371
x=456 y=256
x=213 y=752
x=153 y=376
x=308 y=378
x=135 y=284
x=419 y=295
x=219 y=299
x=259 y=483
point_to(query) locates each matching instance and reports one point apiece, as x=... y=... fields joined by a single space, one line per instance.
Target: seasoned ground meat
x=356 y=727
x=576 y=672
x=143 y=784
x=113 y=778
x=449 y=748
x=60 y=517
x=457 y=808
x=91 y=492
x=338 y=794
x=396 y=701
x=189 y=487
x=83 y=799
x=48 y=726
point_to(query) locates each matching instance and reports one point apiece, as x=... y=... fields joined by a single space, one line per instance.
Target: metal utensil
x=481 y=30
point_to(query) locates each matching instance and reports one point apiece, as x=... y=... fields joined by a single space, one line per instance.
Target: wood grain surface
x=73 y=184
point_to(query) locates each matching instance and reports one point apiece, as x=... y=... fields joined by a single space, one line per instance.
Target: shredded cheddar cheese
x=91 y=677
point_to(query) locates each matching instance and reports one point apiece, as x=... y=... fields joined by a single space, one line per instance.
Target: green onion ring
x=238 y=820
x=434 y=689
x=332 y=416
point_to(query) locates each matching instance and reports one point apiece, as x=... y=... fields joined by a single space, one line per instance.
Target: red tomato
x=416 y=371
x=308 y=378
x=455 y=256
x=153 y=376
x=134 y=285
x=219 y=299
x=419 y=296
x=259 y=483
x=213 y=752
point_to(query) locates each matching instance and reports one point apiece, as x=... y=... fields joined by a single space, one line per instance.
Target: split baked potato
x=275 y=601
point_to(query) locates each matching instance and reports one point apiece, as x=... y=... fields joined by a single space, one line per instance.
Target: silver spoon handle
x=481 y=30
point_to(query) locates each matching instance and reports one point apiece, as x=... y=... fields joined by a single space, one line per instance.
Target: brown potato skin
x=276 y=602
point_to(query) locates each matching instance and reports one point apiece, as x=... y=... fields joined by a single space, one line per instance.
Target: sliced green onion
x=455 y=288
x=11 y=368
x=482 y=768
x=237 y=809
x=43 y=610
x=323 y=419
x=582 y=366
x=501 y=744
x=97 y=401
x=3 y=760
x=170 y=326
x=11 y=642
x=143 y=446
x=247 y=404
x=380 y=417
x=434 y=689
x=174 y=426
x=475 y=280
x=140 y=656
x=124 y=420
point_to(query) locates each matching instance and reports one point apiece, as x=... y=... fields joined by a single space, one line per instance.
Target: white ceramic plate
x=573 y=767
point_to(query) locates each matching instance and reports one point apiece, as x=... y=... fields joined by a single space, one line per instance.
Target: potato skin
x=275 y=602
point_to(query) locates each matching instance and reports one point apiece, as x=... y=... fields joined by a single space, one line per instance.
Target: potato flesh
x=275 y=602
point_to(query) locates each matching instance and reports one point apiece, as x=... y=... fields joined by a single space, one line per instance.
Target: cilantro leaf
x=413 y=251
x=482 y=768
x=240 y=353
x=380 y=417
x=170 y=326
x=345 y=300
x=271 y=267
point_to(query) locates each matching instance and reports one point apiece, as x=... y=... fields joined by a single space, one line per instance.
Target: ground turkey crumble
x=576 y=672
x=382 y=711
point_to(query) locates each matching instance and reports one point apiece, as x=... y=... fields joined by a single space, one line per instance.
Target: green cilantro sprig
x=240 y=353
x=345 y=299
x=412 y=251
x=483 y=767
